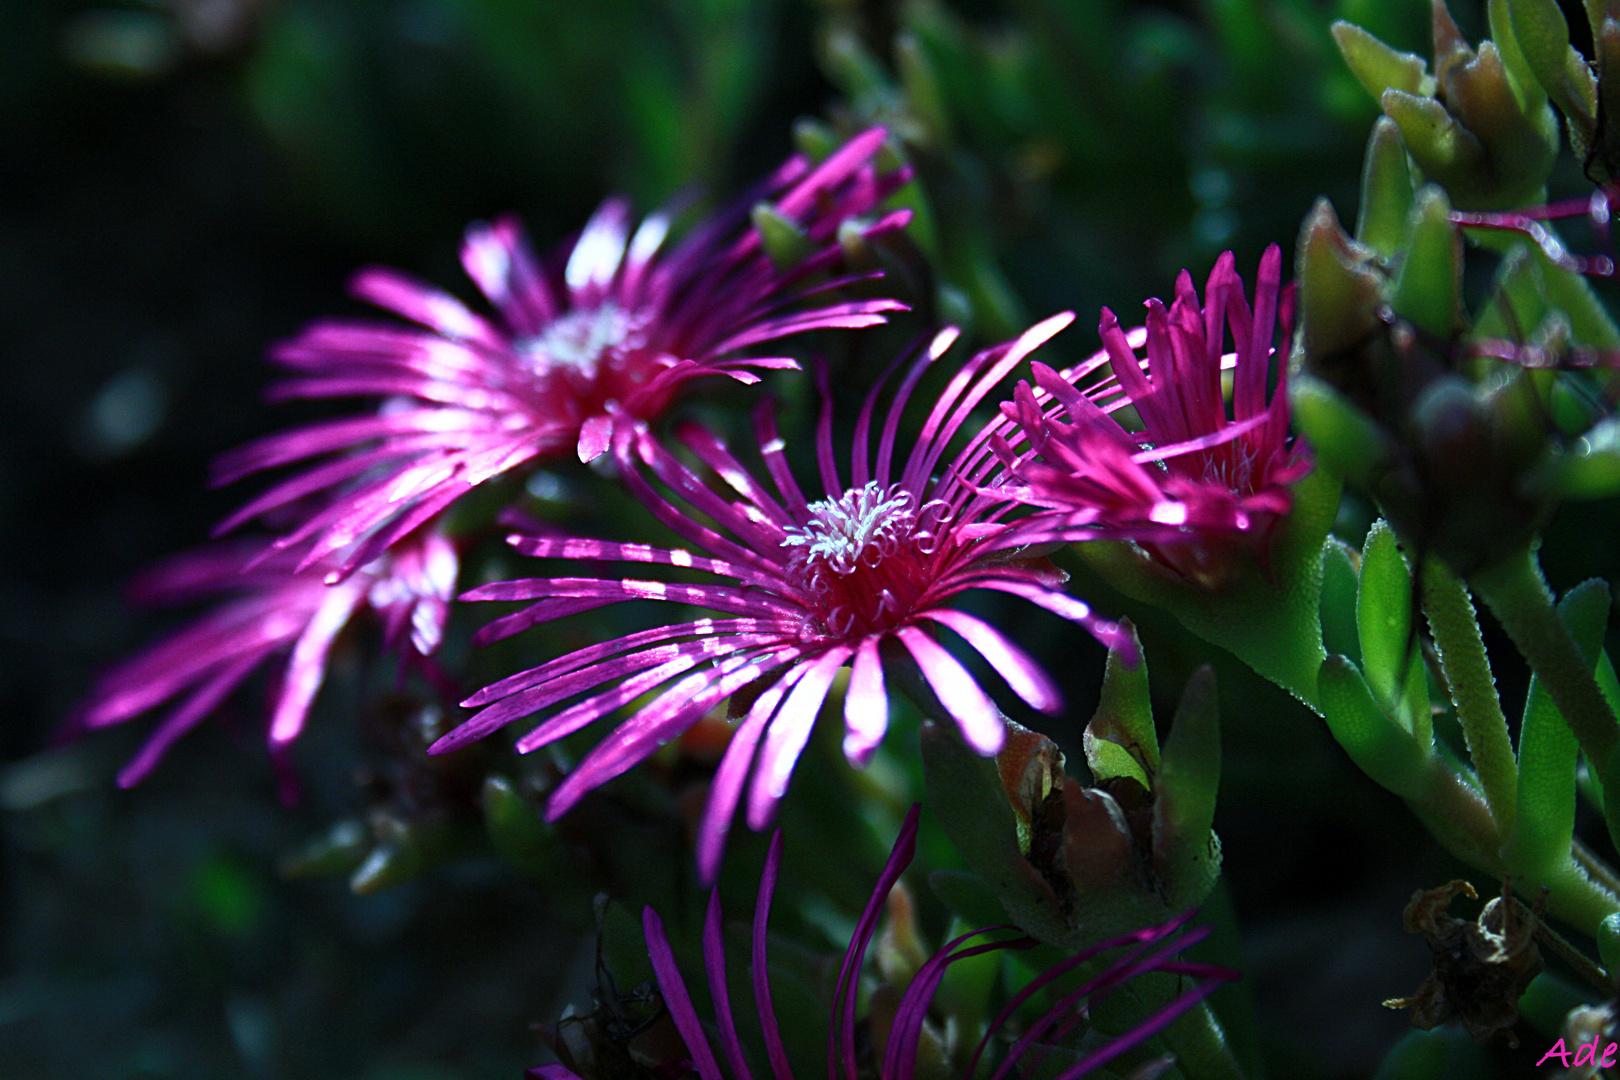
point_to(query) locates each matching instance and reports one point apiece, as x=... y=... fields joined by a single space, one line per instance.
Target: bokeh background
x=184 y=182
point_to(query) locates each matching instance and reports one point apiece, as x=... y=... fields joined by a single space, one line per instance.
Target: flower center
x=578 y=339
x=862 y=559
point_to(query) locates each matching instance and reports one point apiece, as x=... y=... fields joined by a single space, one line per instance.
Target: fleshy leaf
x=1548 y=752
x=1123 y=722
x=966 y=795
x=1377 y=66
x=1428 y=287
x=1340 y=293
x=1384 y=618
x=1379 y=746
x=1341 y=575
x=1386 y=190
x=1185 y=846
x=1543 y=37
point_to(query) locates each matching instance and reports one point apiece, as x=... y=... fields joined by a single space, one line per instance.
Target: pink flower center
x=863 y=560
x=591 y=357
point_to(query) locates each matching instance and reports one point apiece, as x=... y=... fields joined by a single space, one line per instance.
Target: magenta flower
x=1155 y=950
x=272 y=610
x=616 y=329
x=1192 y=479
x=806 y=589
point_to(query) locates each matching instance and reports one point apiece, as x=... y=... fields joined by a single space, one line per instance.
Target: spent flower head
x=805 y=589
x=614 y=330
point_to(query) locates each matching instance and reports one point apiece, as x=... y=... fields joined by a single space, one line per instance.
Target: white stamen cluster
x=841 y=531
x=578 y=339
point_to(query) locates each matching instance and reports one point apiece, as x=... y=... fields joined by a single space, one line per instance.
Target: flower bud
x=1476 y=125
x=1132 y=846
x=1466 y=441
x=1340 y=290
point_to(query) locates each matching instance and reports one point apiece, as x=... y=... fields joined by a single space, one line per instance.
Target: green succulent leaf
x=784 y=241
x=966 y=795
x=1386 y=190
x=1542 y=36
x=1428 y=287
x=1591 y=468
x=1346 y=440
x=1120 y=740
x=1377 y=66
x=1341 y=578
x=1184 y=803
x=1384 y=619
x=1548 y=752
x=1379 y=746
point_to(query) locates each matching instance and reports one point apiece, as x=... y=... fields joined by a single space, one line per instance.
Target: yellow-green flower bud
x=1475 y=126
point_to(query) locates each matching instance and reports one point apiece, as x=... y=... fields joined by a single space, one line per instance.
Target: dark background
x=182 y=184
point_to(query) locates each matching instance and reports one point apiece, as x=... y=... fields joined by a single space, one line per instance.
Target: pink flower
x=806 y=588
x=1191 y=480
x=617 y=329
x=1154 y=949
x=272 y=610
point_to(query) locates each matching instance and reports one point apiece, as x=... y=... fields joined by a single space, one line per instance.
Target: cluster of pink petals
x=806 y=588
x=1155 y=950
x=1190 y=475
x=613 y=330
x=271 y=610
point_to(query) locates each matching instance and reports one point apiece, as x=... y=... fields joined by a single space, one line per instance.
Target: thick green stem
x=1518 y=596
x=1454 y=813
x=1594 y=867
x=1200 y=1046
x=1451 y=618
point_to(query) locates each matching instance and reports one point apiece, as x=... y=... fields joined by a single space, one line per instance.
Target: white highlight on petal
x=596 y=256
x=866 y=705
x=648 y=239
x=452 y=318
x=488 y=263
x=1169 y=513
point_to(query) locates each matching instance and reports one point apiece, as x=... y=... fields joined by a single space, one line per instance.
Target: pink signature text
x=1585 y=1053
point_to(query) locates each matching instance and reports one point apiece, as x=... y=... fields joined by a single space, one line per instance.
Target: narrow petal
x=676 y=709
x=598 y=252
x=422 y=304
x=726 y=788
x=775 y=1051
x=574 y=547
x=1022 y=673
x=841 y=1042
x=193 y=711
x=306 y=668
x=676 y=999
x=714 y=962
x=788 y=733
x=974 y=713
x=866 y=704
x=595 y=436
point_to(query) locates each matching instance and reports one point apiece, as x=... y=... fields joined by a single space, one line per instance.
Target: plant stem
x=1452 y=621
x=1594 y=866
x=1456 y=814
x=1200 y=1046
x=1518 y=596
